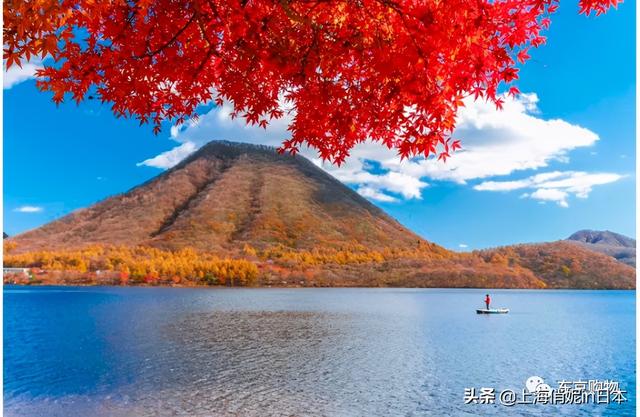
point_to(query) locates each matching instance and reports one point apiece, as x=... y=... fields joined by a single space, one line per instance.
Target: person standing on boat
x=487 y=301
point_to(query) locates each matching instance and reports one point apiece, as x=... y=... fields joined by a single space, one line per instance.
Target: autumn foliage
x=389 y=71
x=550 y=265
x=141 y=265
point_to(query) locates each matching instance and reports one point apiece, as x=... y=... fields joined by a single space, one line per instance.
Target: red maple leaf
x=381 y=70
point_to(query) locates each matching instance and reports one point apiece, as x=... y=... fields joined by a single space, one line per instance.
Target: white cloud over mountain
x=495 y=144
x=172 y=157
x=15 y=75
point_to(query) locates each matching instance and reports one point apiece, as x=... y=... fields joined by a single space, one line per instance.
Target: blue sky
x=559 y=159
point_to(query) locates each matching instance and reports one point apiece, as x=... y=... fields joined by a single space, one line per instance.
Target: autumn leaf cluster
x=392 y=71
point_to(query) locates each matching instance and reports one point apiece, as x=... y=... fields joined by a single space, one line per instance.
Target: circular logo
x=544 y=388
x=533 y=382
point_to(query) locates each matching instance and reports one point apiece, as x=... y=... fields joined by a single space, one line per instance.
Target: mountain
x=224 y=196
x=239 y=214
x=4 y=235
x=565 y=264
x=621 y=247
x=597 y=237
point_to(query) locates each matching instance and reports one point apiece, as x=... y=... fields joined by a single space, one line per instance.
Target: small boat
x=492 y=310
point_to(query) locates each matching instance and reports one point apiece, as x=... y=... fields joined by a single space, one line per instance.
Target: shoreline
x=222 y=287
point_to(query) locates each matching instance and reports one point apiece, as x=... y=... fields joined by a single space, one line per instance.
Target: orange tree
x=393 y=71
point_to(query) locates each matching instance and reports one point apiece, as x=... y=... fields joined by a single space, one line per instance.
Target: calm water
x=305 y=352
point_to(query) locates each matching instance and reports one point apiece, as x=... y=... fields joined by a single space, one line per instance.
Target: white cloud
x=495 y=143
x=15 y=75
x=171 y=157
x=218 y=125
x=463 y=246
x=393 y=182
x=28 y=209
x=372 y=193
x=500 y=185
x=554 y=186
x=551 y=194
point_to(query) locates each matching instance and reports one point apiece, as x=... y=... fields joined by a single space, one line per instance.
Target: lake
x=111 y=351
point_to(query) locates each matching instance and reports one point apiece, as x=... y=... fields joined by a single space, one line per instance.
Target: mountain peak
x=603 y=237
x=621 y=247
x=227 y=195
x=225 y=149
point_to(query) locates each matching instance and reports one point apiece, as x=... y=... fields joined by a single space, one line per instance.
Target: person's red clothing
x=487 y=301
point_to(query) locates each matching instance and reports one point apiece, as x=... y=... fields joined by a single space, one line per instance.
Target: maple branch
x=291 y=14
x=210 y=52
x=305 y=58
x=172 y=40
x=394 y=6
x=206 y=37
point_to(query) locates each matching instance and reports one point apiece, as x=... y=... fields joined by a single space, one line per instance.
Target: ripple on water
x=150 y=352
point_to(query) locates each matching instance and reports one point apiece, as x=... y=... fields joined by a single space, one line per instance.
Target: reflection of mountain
x=621 y=247
x=297 y=222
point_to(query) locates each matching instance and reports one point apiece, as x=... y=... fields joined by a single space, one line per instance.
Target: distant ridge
x=603 y=238
x=565 y=264
x=621 y=247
